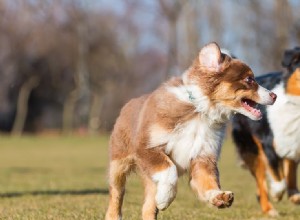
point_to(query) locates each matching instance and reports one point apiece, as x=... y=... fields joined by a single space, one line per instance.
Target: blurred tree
x=73 y=61
x=72 y=64
x=214 y=13
x=172 y=10
x=283 y=20
x=106 y=65
x=272 y=30
x=188 y=35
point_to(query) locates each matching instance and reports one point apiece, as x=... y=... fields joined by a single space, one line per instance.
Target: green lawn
x=65 y=178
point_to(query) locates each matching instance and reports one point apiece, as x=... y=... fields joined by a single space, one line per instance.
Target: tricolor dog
x=271 y=147
x=179 y=128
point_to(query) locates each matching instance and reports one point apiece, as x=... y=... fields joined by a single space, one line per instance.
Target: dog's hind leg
x=118 y=170
x=149 y=208
x=290 y=171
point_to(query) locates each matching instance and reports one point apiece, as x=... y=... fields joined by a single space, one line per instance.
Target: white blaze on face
x=264 y=96
x=248 y=108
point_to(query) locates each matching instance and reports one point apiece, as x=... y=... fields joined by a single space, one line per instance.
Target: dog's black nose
x=273 y=96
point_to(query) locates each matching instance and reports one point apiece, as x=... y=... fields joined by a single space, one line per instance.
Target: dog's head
x=228 y=83
x=291 y=61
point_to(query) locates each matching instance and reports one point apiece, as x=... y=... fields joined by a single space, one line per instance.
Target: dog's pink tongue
x=256 y=112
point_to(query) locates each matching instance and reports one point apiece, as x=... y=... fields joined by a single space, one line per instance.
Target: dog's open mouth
x=250 y=106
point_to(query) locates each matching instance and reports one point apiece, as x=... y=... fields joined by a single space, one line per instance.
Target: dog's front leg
x=204 y=179
x=160 y=179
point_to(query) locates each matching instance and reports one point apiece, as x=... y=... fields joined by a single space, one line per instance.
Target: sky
x=232 y=34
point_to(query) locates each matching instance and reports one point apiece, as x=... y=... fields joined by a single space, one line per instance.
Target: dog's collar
x=191 y=96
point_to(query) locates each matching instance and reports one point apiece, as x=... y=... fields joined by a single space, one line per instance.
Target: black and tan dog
x=271 y=147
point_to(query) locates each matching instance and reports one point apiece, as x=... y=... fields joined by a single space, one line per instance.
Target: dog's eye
x=250 y=80
x=296 y=60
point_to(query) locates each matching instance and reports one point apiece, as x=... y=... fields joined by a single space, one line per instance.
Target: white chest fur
x=189 y=140
x=284 y=119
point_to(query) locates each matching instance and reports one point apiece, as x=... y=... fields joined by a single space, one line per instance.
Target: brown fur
x=204 y=168
x=233 y=71
x=149 y=208
x=293 y=84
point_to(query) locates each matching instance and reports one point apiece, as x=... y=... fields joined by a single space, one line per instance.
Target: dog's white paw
x=277 y=189
x=273 y=213
x=295 y=198
x=220 y=199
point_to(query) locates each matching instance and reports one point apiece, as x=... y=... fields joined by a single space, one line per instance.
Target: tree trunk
x=83 y=81
x=172 y=65
x=214 y=15
x=95 y=111
x=22 y=105
x=283 y=19
x=192 y=36
x=172 y=12
x=82 y=89
x=68 y=111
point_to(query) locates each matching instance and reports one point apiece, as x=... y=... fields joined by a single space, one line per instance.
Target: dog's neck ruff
x=284 y=119
x=293 y=100
x=191 y=97
x=216 y=114
x=285 y=97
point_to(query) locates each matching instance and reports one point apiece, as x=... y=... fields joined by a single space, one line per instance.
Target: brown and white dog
x=179 y=127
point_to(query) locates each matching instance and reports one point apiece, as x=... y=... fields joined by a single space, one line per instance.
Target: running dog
x=271 y=147
x=179 y=128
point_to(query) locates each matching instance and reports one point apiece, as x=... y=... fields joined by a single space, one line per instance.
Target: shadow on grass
x=54 y=192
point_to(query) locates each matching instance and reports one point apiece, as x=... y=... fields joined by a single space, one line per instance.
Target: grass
x=65 y=178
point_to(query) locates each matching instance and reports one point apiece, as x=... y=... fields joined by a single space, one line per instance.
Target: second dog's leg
x=205 y=181
x=259 y=171
x=257 y=167
x=290 y=171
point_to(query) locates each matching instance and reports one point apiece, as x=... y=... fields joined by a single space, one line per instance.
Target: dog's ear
x=210 y=57
x=290 y=56
x=287 y=58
